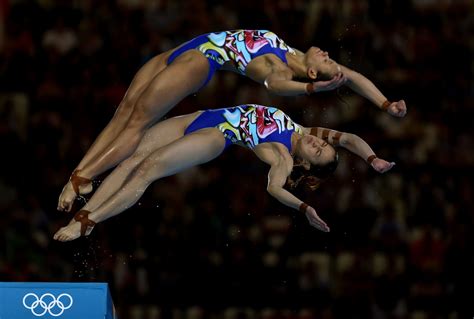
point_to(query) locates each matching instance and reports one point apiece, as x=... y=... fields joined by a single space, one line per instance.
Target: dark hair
x=311 y=178
x=323 y=77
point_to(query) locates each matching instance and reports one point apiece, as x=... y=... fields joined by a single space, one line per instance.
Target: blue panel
x=47 y=300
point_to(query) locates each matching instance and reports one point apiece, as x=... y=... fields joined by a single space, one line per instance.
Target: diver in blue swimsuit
x=178 y=143
x=237 y=47
x=171 y=76
x=248 y=125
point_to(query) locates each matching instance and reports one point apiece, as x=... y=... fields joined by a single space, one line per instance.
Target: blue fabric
x=267 y=49
x=193 y=44
x=208 y=118
x=283 y=137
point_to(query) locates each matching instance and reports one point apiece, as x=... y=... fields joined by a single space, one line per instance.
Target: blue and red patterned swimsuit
x=248 y=125
x=237 y=46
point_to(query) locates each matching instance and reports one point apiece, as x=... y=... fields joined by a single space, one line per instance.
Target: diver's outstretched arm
x=364 y=87
x=277 y=177
x=354 y=144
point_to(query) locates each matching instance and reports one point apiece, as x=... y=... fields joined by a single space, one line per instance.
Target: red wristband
x=370 y=159
x=385 y=105
x=303 y=207
x=309 y=88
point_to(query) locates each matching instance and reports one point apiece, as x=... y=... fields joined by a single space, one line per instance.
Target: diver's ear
x=312 y=73
x=306 y=164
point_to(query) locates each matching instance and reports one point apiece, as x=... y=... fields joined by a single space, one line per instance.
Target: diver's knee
x=138 y=122
x=124 y=110
x=130 y=163
x=150 y=169
x=142 y=114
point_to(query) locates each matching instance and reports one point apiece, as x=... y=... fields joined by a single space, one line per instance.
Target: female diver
x=178 y=143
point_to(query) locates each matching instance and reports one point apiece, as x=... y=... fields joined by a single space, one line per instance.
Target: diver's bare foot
x=71 y=232
x=68 y=195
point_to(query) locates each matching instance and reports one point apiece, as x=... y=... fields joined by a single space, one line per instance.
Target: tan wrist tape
x=370 y=159
x=303 y=207
x=385 y=105
x=335 y=139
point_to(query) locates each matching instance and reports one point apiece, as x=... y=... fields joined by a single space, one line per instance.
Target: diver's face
x=317 y=52
x=320 y=61
x=316 y=150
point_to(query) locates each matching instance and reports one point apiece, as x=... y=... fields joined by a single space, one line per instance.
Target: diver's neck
x=295 y=138
x=297 y=65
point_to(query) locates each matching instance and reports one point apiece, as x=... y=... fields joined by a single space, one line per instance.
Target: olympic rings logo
x=47 y=303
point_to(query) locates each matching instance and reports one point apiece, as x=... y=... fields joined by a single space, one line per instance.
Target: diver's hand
x=381 y=165
x=321 y=86
x=398 y=109
x=315 y=220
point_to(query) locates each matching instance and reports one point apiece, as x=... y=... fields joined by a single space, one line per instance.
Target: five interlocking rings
x=55 y=307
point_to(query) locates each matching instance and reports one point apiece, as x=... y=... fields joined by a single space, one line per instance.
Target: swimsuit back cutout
x=249 y=125
x=237 y=46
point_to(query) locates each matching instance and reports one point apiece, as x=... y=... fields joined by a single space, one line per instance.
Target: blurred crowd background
x=210 y=242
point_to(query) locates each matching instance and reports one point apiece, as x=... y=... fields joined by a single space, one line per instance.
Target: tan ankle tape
x=77 y=181
x=82 y=216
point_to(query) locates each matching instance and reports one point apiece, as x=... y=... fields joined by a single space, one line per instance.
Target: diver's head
x=319 y=66
x=315 y=160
